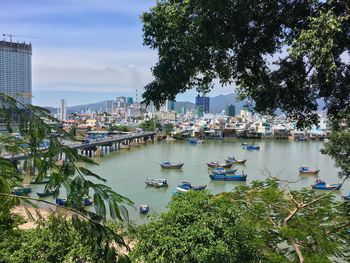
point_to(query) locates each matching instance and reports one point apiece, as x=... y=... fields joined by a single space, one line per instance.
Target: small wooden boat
x=186 y=186
x=217 y=164
x=47 y=193
x=251 y=147
x=233 y=160
x=321 y=185
x=224 y=177
x=306 y=170
x=169 y=165
x=144 y=209
x=45 y=181
x=87 y=201
x=156 y=182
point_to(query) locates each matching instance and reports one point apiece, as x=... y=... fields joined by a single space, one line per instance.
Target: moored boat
x=156 y=182
x=233 y=160
x=144 y=209
x=220 y=170
x=251 y=147
x=47 y=193
x=63 y=202
x=217 y=164
x=186 y=186
x=225 y=177
x=44 y=181
x=306 y=170
x=169 y=165
x=346 y=197
x=321 y=185
x=21 y=190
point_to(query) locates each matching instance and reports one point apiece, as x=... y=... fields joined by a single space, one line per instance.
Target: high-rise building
x=63 y=110
x=231 y=110
x=202 y=105
x=170 y=105
x=16 y=70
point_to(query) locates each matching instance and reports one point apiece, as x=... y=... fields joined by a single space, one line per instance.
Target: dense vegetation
x=87 y=228
x=150 y=125
x=264 y=222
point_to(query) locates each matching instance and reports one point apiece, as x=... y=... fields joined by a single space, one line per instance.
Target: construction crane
x=11 y=35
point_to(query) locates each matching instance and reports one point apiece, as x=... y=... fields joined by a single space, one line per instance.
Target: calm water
x=126 y=170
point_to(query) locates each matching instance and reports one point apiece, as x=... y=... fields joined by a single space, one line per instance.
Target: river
x=126 y=170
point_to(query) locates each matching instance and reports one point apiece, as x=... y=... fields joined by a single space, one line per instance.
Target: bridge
x=99 y=147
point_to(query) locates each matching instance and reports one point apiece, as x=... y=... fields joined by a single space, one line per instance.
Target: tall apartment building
x=63 y=110
x=16 y=70
x=202 y=105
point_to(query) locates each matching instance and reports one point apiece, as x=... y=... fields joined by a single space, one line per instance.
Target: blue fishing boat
x=321 y=185
x=186 y=186
x=346 y=197
x=194 y=141
x=144 y=209
x=47 y=193
x=251 y=147
x=21 y=190
x=224 y=177
x=220 y=170
x=87 y=201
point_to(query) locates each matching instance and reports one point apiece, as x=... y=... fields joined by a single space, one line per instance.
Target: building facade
x=16 y=70
x=202 y=105
x=63 y=110
x=231 y=110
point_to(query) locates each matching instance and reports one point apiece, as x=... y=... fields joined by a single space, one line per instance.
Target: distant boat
x=251 y=147
x=194 y=141
x=144 y=209
x=169 y=165
x=224 y=177
x=217 y=164
x=301 y=139
x=346 y=197
x=233 y=160
x=306 y=170
x=220 y=170
x=321 y=185
x=186 y=186
x=47 y=193
x=21 y=190
x=45 y=181
x=156 y=182
x=87 y=201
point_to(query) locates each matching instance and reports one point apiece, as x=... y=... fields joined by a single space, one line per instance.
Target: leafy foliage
x=280 y=54
x=37 y=126
x=264 y=222
x=150 y=125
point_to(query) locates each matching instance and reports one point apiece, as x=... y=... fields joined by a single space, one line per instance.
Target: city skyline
x=85 y=50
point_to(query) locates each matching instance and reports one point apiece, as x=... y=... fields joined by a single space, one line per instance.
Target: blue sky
x=84 y=50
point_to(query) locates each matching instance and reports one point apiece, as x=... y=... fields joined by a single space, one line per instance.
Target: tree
x=280 y=54
x=264 y=222
x=290 y=55
x=69 y=174
x=168 y=128
x=197 y=229
x=150 y=125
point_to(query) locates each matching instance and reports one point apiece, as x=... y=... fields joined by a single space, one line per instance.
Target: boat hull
x=236 y=162
x=213 y=165
x=220 y=177
x=49 y=193
x=309 y=172
x=327 y=187
x=172 y=166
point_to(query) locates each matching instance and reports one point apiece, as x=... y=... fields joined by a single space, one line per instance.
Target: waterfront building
x=16 y=70
x=231 y=110
x=63 y=110
x=202 y=105
x=170 y=105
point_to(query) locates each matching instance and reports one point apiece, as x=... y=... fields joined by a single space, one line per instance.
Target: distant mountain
x=98 y=106
x=219 y=103
x=184 y=104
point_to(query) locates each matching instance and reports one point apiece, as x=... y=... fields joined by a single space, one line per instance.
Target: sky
x=84 y=51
